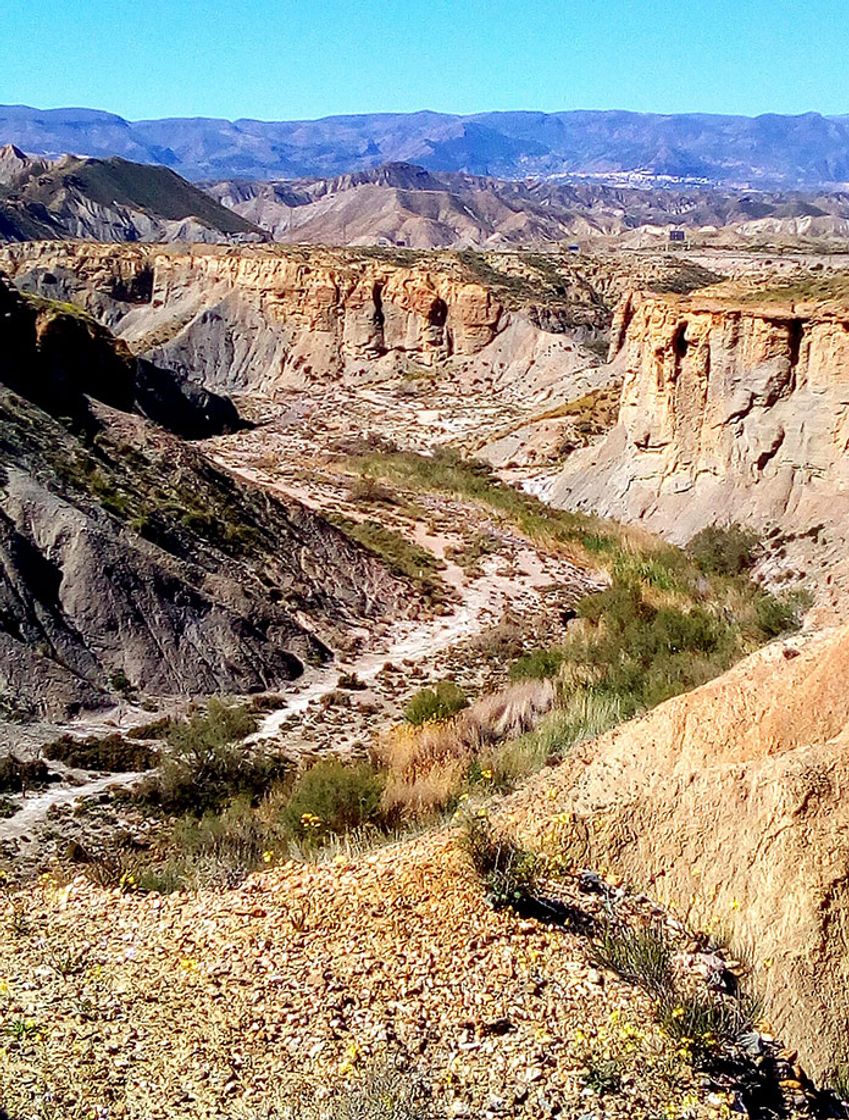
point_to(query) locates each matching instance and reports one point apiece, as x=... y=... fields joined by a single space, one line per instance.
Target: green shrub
x=227 y=845
x=216 y=848
x=220 y=723
x=703 y=1022
x=114 y=753
x=536 y=665
x=675 y=631
x=18 y=775
x=206 y=764
x=120 y=682
x=621 y=606
x=643 y=655
x=640 y=956
x=333 y=796
x=441 y=701
x=776 y=615
x=370 y=490
x=509 y=873
x=727 y=550
x=604 y=1077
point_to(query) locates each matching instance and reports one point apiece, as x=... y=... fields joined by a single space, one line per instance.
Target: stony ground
x=230 y=1003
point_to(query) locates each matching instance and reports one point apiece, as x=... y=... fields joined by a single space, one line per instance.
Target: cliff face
x=729 y=410
x=268 y=319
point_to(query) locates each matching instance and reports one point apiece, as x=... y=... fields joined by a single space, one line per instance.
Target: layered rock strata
x=269 y=320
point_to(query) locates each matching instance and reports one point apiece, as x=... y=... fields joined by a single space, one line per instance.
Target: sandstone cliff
x=125 y=556
x=265 y=319
x=731 y=408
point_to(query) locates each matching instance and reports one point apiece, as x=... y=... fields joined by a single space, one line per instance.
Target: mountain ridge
x=780 y=150
x=111 y=199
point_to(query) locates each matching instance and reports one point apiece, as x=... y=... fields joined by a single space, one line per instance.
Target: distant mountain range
x=767 y=151
x=395 y=205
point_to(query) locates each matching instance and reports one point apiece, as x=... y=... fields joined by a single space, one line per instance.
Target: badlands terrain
x=423 y=679
x=405 y=205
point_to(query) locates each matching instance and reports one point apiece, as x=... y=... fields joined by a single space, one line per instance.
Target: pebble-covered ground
x=312 y=976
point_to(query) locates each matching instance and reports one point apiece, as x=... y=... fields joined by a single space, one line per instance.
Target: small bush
x=350 y=682
x=509 y=873
x=120 y=682
x=779 y=615
x=537 y=665
x=620 y=606
x=441 y=701
x=207 y=765
x=114 y=753
x=156 y=729
x=640 y=956
x=703 y=1022
x=472 y=552
x=18 y=775
x=370 y=490
x=728 y=550
x=381 y=1093
x=216 y=848
x=227 y=845
x=604 y=1077
x=333 y=796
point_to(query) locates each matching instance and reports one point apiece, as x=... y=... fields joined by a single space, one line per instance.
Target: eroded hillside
x=127 y=557
x=727 y=804
x=269 y=320
x=502 y=957
x=107 y=200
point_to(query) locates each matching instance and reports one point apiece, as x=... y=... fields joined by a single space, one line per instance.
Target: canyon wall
x=126 y=556
x=730 y=409
x=269 y=319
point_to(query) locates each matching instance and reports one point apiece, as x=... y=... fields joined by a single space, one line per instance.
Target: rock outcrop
x=729 y=805
x=732 y=409
x=126 y=559
x=270 y=319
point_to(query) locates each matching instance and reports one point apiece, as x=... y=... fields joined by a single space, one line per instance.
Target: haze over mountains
x=770 y=151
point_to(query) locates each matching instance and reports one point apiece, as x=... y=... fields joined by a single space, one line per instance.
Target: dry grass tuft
x=428 y=766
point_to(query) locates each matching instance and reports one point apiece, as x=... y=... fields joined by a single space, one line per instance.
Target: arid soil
x=245 y=1002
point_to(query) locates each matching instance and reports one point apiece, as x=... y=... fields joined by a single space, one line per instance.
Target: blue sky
x=284 y=59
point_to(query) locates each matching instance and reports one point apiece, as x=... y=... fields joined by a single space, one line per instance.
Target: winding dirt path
x=481 y=603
